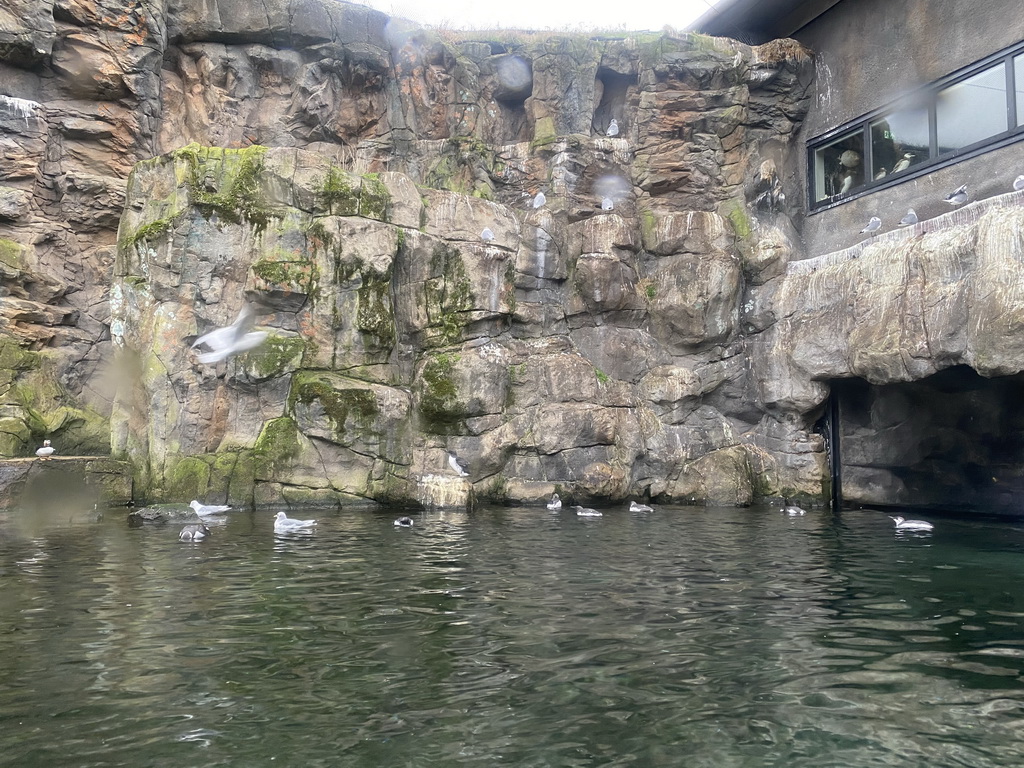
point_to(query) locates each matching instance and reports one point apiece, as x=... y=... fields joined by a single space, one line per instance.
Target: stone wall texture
x=164 y=163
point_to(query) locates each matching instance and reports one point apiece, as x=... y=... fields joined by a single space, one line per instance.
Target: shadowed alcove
x=952 y=441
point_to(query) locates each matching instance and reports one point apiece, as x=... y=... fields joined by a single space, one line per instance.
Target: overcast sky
x=547 y=14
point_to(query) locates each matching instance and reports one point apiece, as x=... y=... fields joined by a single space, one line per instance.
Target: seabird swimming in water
x=554 y=502
x=46 y=451
x=285 y=524
x=457 y=464
x=912 y=525
x=910 y=218
x=208 y=509
x=792 y=509
x=587 y=512
x=404 y=522
x=874 y=225
x=194 y=532
x=634 y=507
x=959 y=197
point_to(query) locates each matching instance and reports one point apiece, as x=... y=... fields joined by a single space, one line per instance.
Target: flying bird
x=874 y=225
x=554 y=502
x=959 y=197
x=487 y=235
x=194 y=532
x=457 y=464
x=207 y=509
x=1018 y=183
x=912 y=525
x=285 y=524
x=910 y=218
x=46 y=451
x=539 y=200
x=903 y=163
x=613 y=127
x=231 y=339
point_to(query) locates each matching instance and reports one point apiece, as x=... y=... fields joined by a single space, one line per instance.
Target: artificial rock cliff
x=165 y=162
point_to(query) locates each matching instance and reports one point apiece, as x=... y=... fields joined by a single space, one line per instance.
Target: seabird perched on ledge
x=874 y=224
x=910 y=218
x=46 y=451
x=457 y=464
x=959 y=197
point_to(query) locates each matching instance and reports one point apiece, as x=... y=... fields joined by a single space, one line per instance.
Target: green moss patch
x=11 y=254
x=347 y=405
x=227 y=182
x=439 y=401
x=450 y=295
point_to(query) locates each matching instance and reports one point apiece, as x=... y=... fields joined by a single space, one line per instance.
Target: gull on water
x=554 y=502
x=487 y=235
x=912 y=525
x=231 y=339
x=46 y=451
x=874 y=225
x=404 y=522
x=207 y=509
x=539 y=200
x=910 y=218
x=194 y=532
x=792 y=509
x=613 y=127
x=457 y=464
x=285 y=524
x=1018 y=183
x=634 y=507
x=587 y=512
x=959 y=197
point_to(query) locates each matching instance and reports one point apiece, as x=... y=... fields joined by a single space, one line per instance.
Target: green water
x=514 y=637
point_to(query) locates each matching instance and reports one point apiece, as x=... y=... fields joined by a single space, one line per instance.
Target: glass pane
x=899 y=141
x=1018 y=70
x=839 y=166
x=972 y=110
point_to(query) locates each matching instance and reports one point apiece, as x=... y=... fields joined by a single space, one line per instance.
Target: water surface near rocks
x=514 y=636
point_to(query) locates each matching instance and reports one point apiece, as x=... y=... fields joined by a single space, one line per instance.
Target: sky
x=578 y=15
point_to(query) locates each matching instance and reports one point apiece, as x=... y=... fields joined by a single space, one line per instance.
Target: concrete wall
x=868 y=53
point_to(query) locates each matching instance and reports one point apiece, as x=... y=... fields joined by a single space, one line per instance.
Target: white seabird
x=910 y=218
x=958 y=197
x=874 y=224
x=539 y=200
x=634 y=507
x=587 y=512
x=903 y=163
x=613 y=127
x=231 y=339
x=487 y=235
x=285 y=524
x=46 y=451
x=1018 y=183
x=554 y=502
x=912 y=525
x=607 y=204
x=208 y=509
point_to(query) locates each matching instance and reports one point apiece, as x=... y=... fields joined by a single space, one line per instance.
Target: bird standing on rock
x=910 y=218
x=207 y=509
x=873 y=226
x=613 y=127
x=487 y=235
x=46 y=451
x=959 y=197
x=457 y=464
x=539 y=200
x=1018 y=184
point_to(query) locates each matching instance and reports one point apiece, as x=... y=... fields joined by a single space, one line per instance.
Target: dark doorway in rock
x=614 y=89
x=953 y=441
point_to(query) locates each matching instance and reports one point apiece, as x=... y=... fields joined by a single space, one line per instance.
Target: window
x=970 y=111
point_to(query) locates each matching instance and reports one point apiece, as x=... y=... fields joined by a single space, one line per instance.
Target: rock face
x=164 y=163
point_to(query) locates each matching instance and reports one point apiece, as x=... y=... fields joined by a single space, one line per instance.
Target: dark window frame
x=927 y=94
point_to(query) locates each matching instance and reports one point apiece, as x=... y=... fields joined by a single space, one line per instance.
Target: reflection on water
x=514 y=636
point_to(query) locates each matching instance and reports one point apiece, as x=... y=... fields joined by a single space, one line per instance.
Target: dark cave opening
x=953 y=441
x=615 y=89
